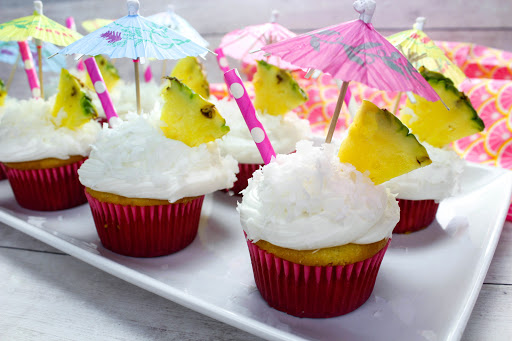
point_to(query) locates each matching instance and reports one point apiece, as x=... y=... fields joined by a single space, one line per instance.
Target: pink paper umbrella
x=239 y=93
x=238 y=44
x=354 y=51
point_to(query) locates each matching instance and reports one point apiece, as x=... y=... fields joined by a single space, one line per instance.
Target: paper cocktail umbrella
x=94 y=24
x=238 y=44
x=178 y=24
x=136 y=38
x=39 y=27
x=354 y=51
x=420 y=50
x=10 y=54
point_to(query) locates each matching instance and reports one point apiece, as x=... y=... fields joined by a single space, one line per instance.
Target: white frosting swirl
x=283 y=131
x=437 y=181
x=136 y=160
x=309 y=200
x=27 y=133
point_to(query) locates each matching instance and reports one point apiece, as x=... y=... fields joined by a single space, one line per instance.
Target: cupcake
x=318 y=224
x=276 y=94
x=420 y=192
x=147 y=176
x=3 y=95
x=42 y=144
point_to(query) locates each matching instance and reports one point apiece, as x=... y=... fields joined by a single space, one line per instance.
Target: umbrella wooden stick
x=398 y=97
x=164 y=70
x=137 y=85
x=13 y=71
x=337 y=111
x=40 y=65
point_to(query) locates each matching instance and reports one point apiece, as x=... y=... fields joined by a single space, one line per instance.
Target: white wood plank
x=56 y=297
x=501 y=266
x=491 y=318
x=12 y=238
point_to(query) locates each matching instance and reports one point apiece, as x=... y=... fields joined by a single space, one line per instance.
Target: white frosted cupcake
x=41 y=158
x=146 y=190
x=310 y=220
x=420 y=191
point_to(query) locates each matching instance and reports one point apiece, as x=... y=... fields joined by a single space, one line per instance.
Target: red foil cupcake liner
x=313 y=291
x=415 y=215
x=3 y=176
x=49 y=189
x=146 y=231
x=243 y=176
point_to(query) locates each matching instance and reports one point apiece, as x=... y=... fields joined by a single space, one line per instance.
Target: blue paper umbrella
x=135 y=37
x=9 y=52
x=178 y=24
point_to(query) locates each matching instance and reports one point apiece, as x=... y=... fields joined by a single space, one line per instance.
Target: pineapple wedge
x=191 y=73
x=108 y=72
x=189 y=117
x=76 y=105
x=276 y=91
x=432 y=122
x=379 y=143
x=3 y=93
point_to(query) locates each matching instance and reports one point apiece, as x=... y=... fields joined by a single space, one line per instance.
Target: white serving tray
x=427 y=285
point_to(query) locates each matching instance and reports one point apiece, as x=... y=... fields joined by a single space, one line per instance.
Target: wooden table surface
x=48 y=295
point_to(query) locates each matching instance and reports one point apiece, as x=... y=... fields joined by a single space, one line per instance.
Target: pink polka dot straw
x=239 y=93
x=100 y=87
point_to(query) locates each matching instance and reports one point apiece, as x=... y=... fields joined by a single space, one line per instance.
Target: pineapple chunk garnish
x=276 y=92
x=379 y=143
x=191 y=73
x=108 y=72
x=189 y=117
x=3 y=93
x=72 y=107
x=432 y=122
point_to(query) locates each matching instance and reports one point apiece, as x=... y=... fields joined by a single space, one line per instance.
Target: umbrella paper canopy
x=135 y=37
x=39 y=27
x=420 y=50
x=354 y=51
x=239 y=43
x=9 y=52
x=178 y=24
x=94 y=24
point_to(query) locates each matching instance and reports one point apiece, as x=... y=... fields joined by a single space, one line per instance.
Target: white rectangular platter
x=427 y=285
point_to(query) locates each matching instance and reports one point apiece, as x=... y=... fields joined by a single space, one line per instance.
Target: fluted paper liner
x=49 y=189
x=415 y=215
x=2 y=172
x=146 y=231
x=313 y=291
x=243 y=176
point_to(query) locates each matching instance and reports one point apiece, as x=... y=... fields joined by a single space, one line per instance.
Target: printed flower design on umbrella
x=354 y=51
x=137 y=38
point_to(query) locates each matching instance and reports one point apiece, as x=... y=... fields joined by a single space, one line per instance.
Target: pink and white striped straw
x=239 y=93
x=222 y=60
x=28 y=61
x=70 y=23
x=100 y=87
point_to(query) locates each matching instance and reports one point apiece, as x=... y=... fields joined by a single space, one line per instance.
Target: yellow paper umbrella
x=420 y=50
x=39 y=27
x=94 y=24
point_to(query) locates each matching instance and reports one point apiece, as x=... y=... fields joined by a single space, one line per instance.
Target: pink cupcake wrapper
x=415 y=215
x=146 y=231
x=243 y=176
x=3 y=176
x=313 y=291
x=49 y=189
